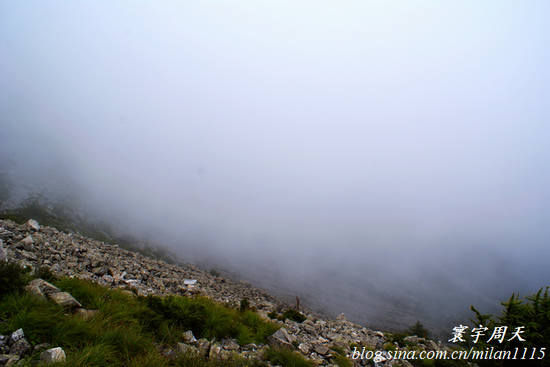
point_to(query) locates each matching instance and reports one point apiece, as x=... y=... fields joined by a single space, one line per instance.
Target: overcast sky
x=364 y=140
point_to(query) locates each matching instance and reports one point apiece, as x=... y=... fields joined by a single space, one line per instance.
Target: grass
x=287 y=358
x=340 y=358
x=127 y=330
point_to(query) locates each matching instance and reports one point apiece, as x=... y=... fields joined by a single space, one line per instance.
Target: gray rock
x=187 y=349
x=305 y=348
x=8 y=359
x=188 y=337
x=215 y=350
x=432 y=345
x=414 y=339
x=230 y=344
x=20 y=347
x=64 y=299
x=26 y=243
x=16 y=335
x=204 y=347
x=281 y=338
x=321 y=349
x=3 y=252
x=33 y=224
x=53 y=355
x=36 y=287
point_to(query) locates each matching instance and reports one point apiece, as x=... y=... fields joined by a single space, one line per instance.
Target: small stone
x=230 y=344
x=304 y=348
x=204 y=347
x=188 y=337
x=20 y=347
x=321 y=349
x=281 y=338
x=53 y=355
x=26 y=243
x=215 y=350
x=33 y=224
x=16 y=335
x=186 y=349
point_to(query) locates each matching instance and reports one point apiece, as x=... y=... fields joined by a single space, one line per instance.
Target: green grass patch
x=127 y=329
x=287 y=358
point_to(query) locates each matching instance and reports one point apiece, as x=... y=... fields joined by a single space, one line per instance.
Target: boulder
x=281 y=338
x=321 y=349
x=20 y=347
x=26 y=243
x=64 y=299
x=305 y=348
x=41 y=288
x=53 y=355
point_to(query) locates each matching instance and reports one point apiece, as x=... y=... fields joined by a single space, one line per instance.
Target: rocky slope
x=73 y=255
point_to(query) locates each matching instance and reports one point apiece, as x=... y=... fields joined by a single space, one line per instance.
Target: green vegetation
x=287 y=358
x=12 y=278
x=245 y=305
x=127 y=330
x=532 y=312
x=339 y=357
x=419 y=330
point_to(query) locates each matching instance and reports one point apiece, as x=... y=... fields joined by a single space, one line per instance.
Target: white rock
x=188 y=337
x=33 y=224
x=17 y=335
x=53 y=355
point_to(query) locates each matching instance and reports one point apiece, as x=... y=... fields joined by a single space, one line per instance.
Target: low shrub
x=286 y=357
x=13 y=278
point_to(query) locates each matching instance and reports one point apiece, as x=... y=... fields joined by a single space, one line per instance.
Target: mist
x=386 y=160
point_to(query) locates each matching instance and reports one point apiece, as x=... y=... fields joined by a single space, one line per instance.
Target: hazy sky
x=392 y=142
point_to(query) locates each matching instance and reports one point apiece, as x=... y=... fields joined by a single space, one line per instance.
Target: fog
x=388 y=160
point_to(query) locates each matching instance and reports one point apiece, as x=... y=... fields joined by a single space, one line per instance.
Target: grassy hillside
x=126 y=330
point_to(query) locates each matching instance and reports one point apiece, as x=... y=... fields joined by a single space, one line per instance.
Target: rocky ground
x=71 y=255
